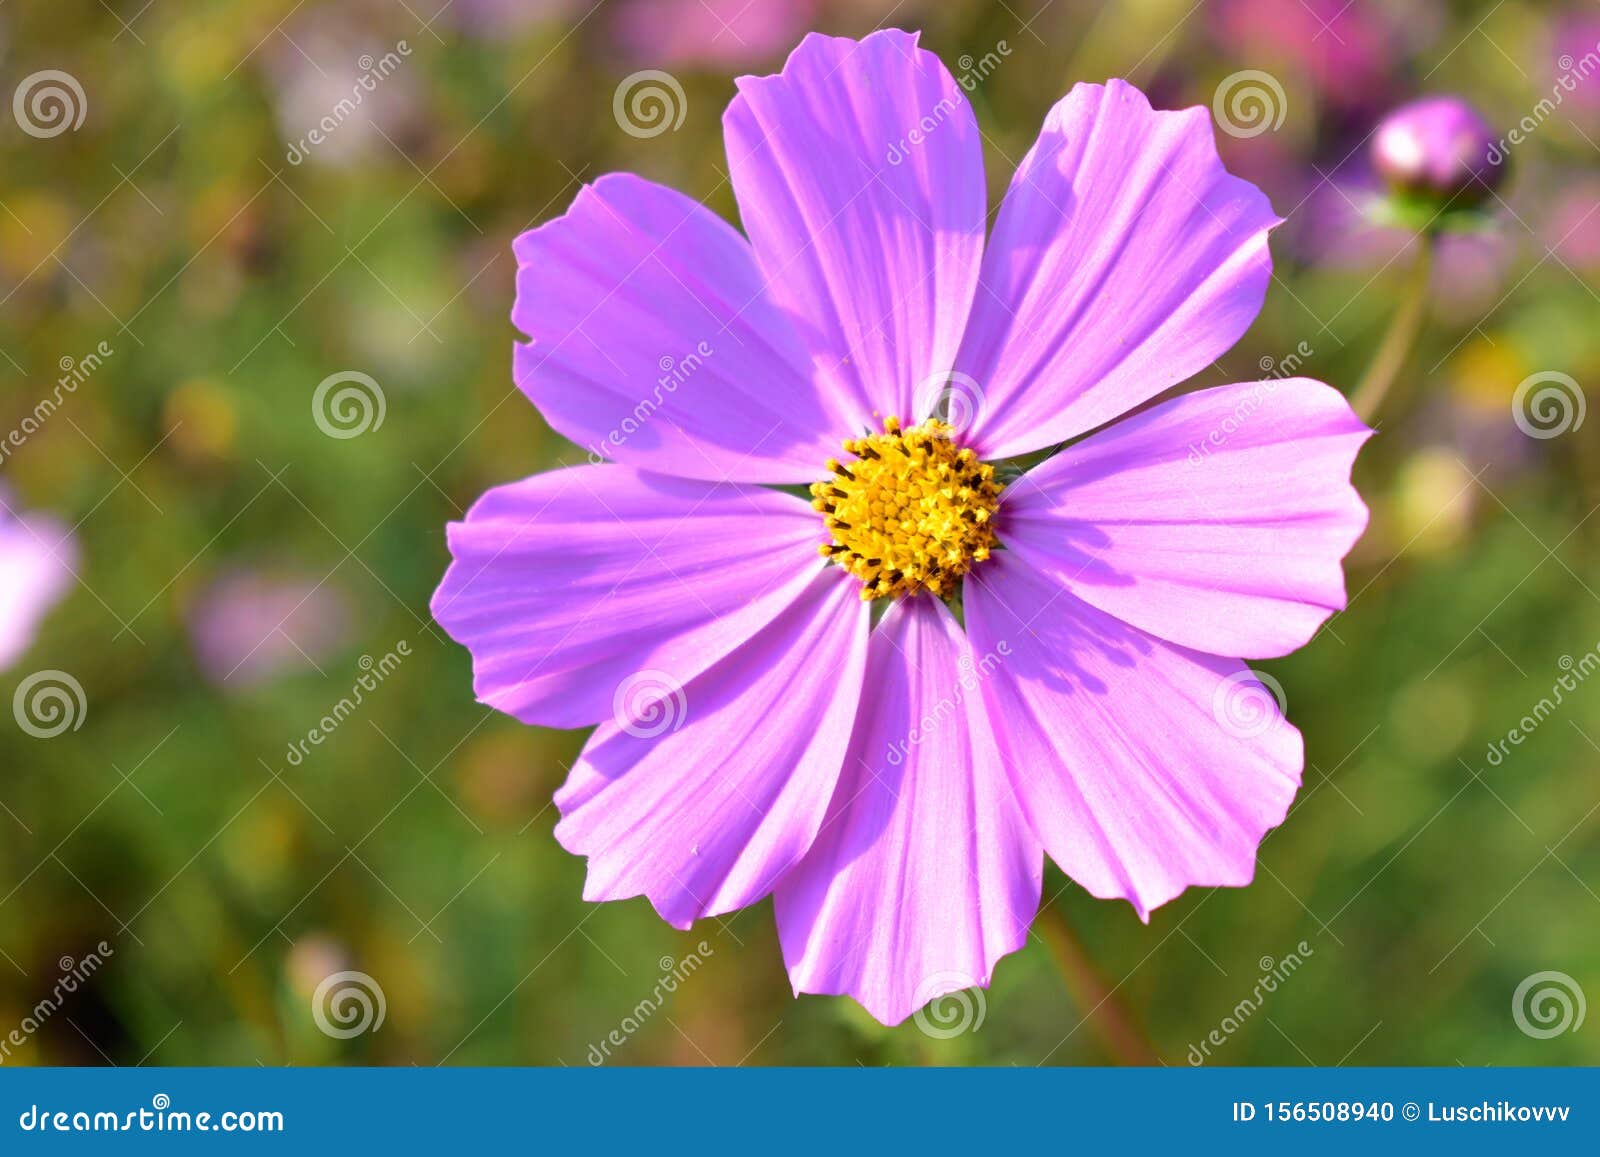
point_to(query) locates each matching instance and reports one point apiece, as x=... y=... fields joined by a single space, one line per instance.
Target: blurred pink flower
x=487 y=19
x=1336 y=229
x=37 y=559
x=1272 y=162
x=249 y=627
x=1473 y=431
x=1345 y=47
x=1572 y=224
x=667 y=33
x=340 y=88
x=1471 y=272
x=1575 y=57
x=1330 y=223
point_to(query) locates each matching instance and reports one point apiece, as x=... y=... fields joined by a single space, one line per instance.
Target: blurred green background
x=228 y=880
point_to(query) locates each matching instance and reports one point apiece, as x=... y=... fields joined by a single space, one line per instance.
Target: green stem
x=1089 y=988
x=1404 y=329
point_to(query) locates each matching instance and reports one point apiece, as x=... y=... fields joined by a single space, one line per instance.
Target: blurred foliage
x=415 y=845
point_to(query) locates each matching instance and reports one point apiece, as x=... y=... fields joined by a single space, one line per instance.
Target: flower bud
x=1440 y=150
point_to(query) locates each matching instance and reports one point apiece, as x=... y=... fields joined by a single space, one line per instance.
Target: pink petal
x=1145 y=768
x=37 y=560
x=1216 y=520
x=567 y=585
x=654 y=343
x=1124 y=259
x=924 y=874
x=706 y=805
x=859 y=175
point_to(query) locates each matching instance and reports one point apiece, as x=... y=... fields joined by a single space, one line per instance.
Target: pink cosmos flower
x=670 y=33
x=249 y=627
x=1440 y=148
x=37 y=556
x=1347 y=49
x=896 y=783
x=1575 y=37
x=1572 y=222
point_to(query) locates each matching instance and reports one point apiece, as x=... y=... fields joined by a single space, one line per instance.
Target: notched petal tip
x=821 y=42
x=1218 y=520
x=1124 y=259
x=947 y=1004
x=566 y=584
x=925 y=874
x=705 y=806
x=1144 y=778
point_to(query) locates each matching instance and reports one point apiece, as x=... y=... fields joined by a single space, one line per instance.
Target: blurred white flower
x=37 y=560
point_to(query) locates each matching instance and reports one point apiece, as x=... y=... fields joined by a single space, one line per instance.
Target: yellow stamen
x=912 y=512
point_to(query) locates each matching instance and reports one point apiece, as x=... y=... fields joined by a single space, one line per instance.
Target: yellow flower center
x=913 y=512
